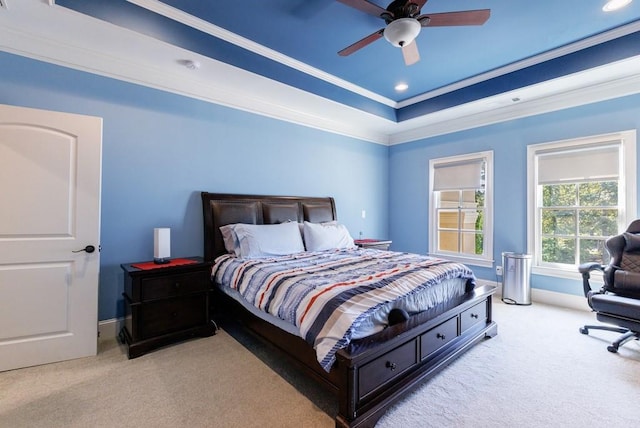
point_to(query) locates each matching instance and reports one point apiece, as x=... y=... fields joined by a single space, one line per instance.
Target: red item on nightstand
x=172 y=262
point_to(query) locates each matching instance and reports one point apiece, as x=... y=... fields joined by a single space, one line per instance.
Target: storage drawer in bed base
x=411 y=358
x=358 y=378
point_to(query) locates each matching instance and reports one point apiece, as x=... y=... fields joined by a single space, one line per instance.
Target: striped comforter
x=327 y=294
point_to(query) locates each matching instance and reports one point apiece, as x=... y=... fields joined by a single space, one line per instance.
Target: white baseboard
x=547 y=297
x=570 y=301
x=109 y=329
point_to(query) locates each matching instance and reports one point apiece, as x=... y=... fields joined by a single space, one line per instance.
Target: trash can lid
x=516 y=255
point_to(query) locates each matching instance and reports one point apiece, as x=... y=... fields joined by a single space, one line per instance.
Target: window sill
x=466 y=260
x=565 y=273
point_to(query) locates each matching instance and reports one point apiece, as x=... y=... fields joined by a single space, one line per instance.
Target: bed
x=372 y=368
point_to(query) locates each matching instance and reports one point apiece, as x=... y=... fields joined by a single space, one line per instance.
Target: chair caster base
x=627 y=335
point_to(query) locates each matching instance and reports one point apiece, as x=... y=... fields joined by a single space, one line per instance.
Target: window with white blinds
x=580 y=193
x=461 y=213
x=580 y=163
x=458 y=175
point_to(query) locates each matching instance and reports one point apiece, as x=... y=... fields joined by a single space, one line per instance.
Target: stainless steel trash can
x=516 y=275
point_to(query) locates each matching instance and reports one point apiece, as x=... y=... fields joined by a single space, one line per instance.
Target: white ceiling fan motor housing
x=402 y=31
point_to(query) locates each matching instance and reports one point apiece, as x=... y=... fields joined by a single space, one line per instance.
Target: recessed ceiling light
x=615 y=5
x=190 y=64
x=401 y=87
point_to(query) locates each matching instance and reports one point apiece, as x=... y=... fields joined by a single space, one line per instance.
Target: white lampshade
x=161 y=243
x=402 y=31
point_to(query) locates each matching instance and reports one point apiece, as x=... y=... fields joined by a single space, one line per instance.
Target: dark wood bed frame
x=372 y=372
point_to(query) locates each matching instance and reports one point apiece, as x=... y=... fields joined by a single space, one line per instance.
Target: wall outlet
x=499 y=270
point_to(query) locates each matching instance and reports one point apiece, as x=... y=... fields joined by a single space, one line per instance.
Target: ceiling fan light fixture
x=612 y=5
x=402 y=31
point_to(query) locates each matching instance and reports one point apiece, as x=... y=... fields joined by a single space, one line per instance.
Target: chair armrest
x=585 y=269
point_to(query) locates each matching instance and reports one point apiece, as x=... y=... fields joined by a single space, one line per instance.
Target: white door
x=50 y=171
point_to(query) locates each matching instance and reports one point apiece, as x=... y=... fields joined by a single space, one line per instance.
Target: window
x=580 y=193
x=461 y=208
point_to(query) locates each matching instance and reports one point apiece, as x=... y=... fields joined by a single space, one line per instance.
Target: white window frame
x=626 y=191
x=485 y=260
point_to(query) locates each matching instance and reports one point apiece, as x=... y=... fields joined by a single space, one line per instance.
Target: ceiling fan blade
x=410 y=53
x=365 y=6
x=361 y=43
x=467 y=17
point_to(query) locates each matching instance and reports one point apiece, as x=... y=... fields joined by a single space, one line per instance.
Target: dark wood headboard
x=220 y=209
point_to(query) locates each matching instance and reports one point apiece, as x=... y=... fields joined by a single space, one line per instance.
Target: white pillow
x=230 y=238
x=267 y=240
x=326 y=236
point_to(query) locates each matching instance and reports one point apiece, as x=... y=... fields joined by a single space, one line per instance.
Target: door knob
x=88 y=249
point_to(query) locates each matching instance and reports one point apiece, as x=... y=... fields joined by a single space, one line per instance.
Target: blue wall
x=160 y=150
x=409 y=173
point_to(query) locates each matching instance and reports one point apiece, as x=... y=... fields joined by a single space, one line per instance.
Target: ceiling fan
x=404 y=22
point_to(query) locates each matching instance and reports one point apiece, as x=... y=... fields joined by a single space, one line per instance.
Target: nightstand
x=165 y=304
x=377 y=244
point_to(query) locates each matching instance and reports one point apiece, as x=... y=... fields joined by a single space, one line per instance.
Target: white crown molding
x=60 y=36
x=57 y=35
x=598 y=84
x=519 y=65
x=177 y=15
x=161 y=8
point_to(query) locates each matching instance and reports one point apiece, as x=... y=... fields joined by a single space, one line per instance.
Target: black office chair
x=618 y=301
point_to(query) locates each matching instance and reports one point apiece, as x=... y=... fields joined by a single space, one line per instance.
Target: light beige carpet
x=538 y=372
x=209 y=382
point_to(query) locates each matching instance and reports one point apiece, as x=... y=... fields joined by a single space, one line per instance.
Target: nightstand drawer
x=439 y=336
x=165 y=304
x=174 y=285
x=166 y=316
x=473 y=316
